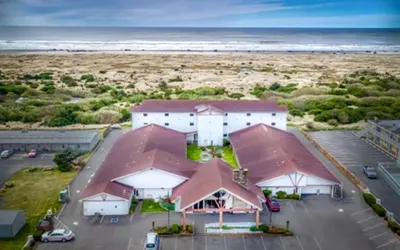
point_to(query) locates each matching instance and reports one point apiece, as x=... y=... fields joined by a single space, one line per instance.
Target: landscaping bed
x=152 y=206
x=34 y=191
x=174 y=230
x=245 y=228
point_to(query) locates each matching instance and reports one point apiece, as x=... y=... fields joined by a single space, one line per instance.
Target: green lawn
x=34 y=193
x=150 y=206
x=193 y=152
x=229 y=156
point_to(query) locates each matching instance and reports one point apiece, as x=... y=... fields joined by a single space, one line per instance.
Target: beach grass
x=229 y=157
x=193 y=152
x=34 y=192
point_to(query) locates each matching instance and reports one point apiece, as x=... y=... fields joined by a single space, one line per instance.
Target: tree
x=63 y=159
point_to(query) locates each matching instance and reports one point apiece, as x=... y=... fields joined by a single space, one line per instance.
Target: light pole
x=167 y=206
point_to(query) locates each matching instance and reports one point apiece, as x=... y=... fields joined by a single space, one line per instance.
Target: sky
x=203 y=13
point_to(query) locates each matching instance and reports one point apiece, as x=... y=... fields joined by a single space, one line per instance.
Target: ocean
x=197 y=39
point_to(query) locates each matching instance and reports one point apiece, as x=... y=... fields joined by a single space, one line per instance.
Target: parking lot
x=20 y=161
x=353 y=153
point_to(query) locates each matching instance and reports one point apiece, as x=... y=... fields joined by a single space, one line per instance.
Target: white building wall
x=176 y=121
x=152 y=179
x=210 y=129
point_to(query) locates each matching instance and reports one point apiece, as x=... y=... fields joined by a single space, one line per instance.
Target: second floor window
x=166 y=114
x=191 y=124
x=144 y=114
x=248 y=124
x=166 y=124
x=273 y=124
x=273 y=114
x=191 y=114
x=248 y=114
x=225 y=124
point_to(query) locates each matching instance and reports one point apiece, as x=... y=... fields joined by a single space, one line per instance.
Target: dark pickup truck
x=370 y=172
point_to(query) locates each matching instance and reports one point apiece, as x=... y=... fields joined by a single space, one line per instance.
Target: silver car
x=6 y=153
x=58 y=235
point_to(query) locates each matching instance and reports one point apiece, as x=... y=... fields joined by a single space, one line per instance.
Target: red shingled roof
x=211 y=177
x=223 y=105
x=269 y=152
x=140 y=149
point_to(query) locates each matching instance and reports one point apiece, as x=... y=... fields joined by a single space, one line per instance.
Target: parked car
x=6 y=153
x=32 y=153
x=63 y=235
x=116 y=126
x=273 y=205
x=370 y=172
x=151 y=242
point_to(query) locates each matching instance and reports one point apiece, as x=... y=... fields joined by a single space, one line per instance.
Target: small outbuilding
x=49 y=140
x=11 y=221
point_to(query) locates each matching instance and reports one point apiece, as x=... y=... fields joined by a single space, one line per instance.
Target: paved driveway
x=353 y=153
x=8 y=167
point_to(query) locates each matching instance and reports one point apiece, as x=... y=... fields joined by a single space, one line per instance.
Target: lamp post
x=168 y=204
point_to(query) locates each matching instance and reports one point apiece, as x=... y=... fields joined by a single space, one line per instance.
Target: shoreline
x=194 y=52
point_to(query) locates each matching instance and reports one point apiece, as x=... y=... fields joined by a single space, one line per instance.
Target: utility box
x=63 y=196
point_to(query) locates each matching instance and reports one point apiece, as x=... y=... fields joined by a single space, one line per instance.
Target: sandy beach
x=237 y=72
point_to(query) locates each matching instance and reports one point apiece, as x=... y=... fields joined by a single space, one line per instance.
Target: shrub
x=37 y=236
x=258 y=90
x=379 y=210
x=175 y=228
x=394 y=226
x=296 y=112
x=63 y=159
x=275 y=86
x=263 y=228
x=226 y=143
x=253 y=229
x=236 y=95
x=333 y=122
x=65 y=115
x=310 y=125
x=267 y=192
x=69 y=81
x=176 y=79
x=108 y=116
x=87 y=78
x=189 y=228
x=102 y=71
x=369 y=199
x=293 y=196
x=48 y=88
x=281 y=194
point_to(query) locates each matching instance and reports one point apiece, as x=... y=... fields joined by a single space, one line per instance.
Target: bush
x=253 y=229
x=65 y=115
x=296 y=112
x=310 y=125
x=275 y=86
x=333 y=122
x=102 y=71
x=108 y=116
x=394 y=226
x=175 y=228
x=101 y=89
x=267 y=192
x=37 y=236
x=281 y=194
x=259 y=90
x=236 y=95
x=189 y=228
x=63 y=159
x=293 y=196
x=379 y=210
x=226 y=143
x=69 y=81
x=263 y=228
x=87 y=78
x=176 y=79
x=369 y=199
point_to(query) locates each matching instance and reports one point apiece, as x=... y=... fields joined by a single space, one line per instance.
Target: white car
x=63 y=235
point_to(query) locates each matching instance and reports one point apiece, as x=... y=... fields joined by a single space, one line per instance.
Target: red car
x=273 y=205
x=32 y=153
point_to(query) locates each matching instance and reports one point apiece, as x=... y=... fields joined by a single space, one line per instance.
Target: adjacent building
x=208 y=122
x=384 y=134
x=11 y=222
x=49 y=140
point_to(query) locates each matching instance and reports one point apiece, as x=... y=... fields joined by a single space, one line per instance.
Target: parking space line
x=283 y=245
x=205 y=242
x=292 y=207
x=372 y=227
x=130 y=220
x=161 y=243
x=359 y=212
x=298 y=240
x=387 y=243
x=316 y=242
x=304 y=205
x=244 y=243
x=367 y=219
x=130 y=242
x=376 y=236
x=192 y=242
x=224 y=242
x=176 y=242
x=262 y=241
x=102 y=217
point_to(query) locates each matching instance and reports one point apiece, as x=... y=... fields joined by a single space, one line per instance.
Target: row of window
x=225 y=124
x=191 y=114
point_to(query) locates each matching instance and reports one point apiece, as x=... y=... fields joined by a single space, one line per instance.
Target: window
x=191 y=114
x=144 y=114
x=191 y=124
x=166 y=124
x=166 y=114
x=79 y=146
x=226 y=114
x=273 y=123
x=248 y=124
x=145 y=123
x=248 y=114
x=225 y=135
x=225 y=124
x=273 y=114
